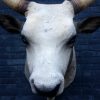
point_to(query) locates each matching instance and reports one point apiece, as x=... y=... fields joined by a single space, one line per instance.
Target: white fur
x=48 y=28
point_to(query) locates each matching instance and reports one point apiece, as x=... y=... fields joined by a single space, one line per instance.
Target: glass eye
x=71 y=41
x=24 y=39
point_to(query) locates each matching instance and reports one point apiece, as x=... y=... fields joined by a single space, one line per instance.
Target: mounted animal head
x=49 y=33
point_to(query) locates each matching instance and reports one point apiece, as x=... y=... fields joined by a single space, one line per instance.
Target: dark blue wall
x=13 y=84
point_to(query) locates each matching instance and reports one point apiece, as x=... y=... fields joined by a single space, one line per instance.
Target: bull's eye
x=71 y=41
x=24 y=39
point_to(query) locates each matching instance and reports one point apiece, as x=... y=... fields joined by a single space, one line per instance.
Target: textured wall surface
x=13 y=84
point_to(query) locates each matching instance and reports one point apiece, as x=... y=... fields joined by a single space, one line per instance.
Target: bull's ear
x=10 y=24
x=89 y=25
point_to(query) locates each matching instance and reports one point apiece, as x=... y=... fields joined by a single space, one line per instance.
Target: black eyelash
x=24 y=39
x=71 y=41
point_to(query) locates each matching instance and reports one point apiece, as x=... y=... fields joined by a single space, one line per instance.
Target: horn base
x=80 y=5
x=18 y=5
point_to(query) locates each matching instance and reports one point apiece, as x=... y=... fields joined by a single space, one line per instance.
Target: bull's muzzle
x=47 y=92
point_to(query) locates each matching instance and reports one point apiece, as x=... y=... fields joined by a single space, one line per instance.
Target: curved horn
x=80 y=5
x=18 y=5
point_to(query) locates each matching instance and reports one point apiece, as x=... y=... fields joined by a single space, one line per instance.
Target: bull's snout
x=48 y=86
x=47 y=91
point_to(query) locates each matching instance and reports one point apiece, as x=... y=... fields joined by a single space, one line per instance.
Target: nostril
x=32 y=81
x=48 y=93
x=55 y=90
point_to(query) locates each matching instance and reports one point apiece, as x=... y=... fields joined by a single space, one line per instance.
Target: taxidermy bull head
x=49 y=33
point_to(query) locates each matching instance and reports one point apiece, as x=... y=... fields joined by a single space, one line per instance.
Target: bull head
x=49 y=33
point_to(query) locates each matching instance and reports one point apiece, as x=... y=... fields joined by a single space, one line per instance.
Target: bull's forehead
x=64 y=7
x=49 y=22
